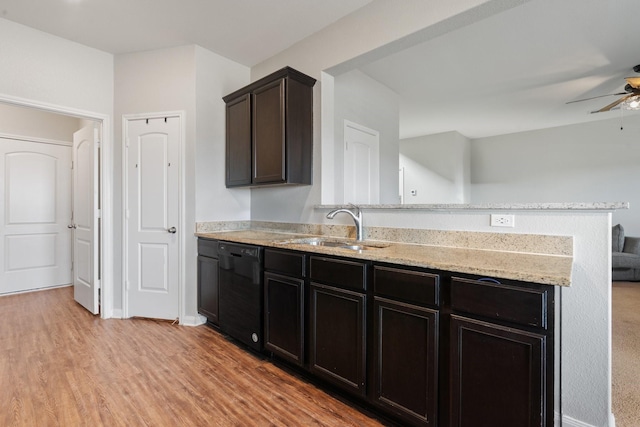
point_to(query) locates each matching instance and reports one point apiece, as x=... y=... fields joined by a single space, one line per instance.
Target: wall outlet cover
x=502 y=220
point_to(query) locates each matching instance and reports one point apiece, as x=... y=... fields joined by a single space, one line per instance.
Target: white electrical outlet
x=501 y=220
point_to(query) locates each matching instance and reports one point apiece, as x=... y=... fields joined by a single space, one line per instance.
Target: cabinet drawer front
x=208 y=248
x=509 y=303
x=348 y=274
x=415 y=287
x=284 y=262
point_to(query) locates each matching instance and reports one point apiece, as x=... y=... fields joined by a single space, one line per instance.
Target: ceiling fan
x=630 y=96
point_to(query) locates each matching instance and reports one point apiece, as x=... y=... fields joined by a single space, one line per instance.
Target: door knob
x=71 y=226
x=172 y=230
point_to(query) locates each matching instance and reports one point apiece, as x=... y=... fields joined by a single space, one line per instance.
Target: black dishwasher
x=241 y=301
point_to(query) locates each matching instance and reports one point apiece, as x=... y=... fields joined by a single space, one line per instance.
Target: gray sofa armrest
x=632 y=245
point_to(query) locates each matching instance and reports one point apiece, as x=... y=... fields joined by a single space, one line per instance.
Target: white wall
x=585 y=392
x=193 y=80
x=150 y=82
x=216 y=77
x=363 y=100
x=437 y=168
x=371 y=32
x=40 y=67
x=594 y=161
x=42 y=70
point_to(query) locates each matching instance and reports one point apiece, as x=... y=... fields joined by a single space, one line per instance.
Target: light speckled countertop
x=530 y=267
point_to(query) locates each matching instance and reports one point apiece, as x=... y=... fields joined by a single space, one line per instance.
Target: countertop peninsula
x=545 y=269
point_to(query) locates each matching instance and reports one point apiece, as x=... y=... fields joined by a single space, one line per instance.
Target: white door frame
x=106 y=191
x=181 y=208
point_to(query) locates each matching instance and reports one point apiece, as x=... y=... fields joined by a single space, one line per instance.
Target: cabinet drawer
x=208 y=248
x=290 y=263
x=347 y=274
x=415 y=287
x=521 y=305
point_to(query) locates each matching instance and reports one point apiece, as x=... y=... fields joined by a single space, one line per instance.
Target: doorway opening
x=46 y=125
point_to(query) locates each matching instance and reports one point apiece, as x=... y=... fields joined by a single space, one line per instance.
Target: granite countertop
x=536 y=268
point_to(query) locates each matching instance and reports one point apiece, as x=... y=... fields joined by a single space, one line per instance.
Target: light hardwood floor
x=61 y=366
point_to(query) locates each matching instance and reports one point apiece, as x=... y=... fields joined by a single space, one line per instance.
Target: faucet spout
x=357 y=219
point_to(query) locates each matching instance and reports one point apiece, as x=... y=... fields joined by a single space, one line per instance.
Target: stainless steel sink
x=334 y=243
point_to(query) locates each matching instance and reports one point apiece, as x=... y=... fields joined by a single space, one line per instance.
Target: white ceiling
x=511 y=72
x=245 y=31
x=516 y=70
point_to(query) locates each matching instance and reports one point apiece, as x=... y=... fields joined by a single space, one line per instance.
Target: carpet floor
x=625 y=384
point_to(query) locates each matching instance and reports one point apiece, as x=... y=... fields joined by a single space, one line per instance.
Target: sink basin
x=333 y=243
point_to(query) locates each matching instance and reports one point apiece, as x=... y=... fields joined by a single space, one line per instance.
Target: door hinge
x=98 y=285
x=72 y=164
x=126 y=285
x=98 y=213
x=96 y=136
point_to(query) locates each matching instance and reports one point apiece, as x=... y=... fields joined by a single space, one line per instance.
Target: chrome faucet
x=357 y=218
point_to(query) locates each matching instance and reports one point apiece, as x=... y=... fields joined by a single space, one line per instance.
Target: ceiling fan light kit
x=630 y=97
x=632 y=103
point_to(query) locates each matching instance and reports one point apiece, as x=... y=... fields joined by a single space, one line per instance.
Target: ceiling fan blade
x=599 y=96
x=634 y=82
x=613 y=104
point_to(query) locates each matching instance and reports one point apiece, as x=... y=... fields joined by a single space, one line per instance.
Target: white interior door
x=361 y=164
x=85 y=222
x=152 y=218
x=35 y=208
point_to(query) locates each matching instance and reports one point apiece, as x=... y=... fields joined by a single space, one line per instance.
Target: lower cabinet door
x=406 y=361
x=497 y=375
x=284 y=316
x=338 y=345
x=208 y=288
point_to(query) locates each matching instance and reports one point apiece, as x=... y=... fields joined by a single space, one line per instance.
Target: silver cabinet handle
x=172 y=230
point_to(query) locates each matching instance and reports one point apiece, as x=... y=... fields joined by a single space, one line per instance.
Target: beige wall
x=29 y=122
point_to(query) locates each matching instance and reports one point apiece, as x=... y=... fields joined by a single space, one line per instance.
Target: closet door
x=35 y=211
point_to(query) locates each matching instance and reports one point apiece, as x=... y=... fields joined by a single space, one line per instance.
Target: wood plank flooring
x=61 y=366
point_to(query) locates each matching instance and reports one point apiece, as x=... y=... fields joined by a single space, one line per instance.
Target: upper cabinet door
x=238 y=141
x=269 y=133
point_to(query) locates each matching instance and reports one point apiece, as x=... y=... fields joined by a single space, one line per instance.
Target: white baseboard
x=116 y=313
x=566 y=421
x=193 y=320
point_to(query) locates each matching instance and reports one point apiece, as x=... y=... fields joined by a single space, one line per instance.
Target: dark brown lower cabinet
x=425 y=348
x=338 y=343
x=501 y=353
x=406 y=361
x=498 y=375
x=284 y=316
x=207 y=284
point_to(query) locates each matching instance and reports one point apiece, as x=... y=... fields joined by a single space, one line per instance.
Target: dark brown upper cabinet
x=269 y=131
